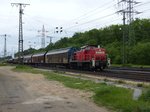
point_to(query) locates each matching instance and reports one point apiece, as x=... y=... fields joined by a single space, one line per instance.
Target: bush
x=140 y=54
x=146 y=96
x=139 y=85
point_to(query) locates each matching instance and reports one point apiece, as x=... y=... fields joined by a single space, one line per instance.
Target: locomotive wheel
x=101 y=68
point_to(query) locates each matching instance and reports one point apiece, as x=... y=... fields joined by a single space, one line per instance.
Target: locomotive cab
x=91 y=57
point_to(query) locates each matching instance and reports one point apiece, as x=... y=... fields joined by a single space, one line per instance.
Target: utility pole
x=5 y=44
x=123 y=37
x=127 y=10
x=20 y=42
x=43 y=36
x=50 y=39
x=5 y=49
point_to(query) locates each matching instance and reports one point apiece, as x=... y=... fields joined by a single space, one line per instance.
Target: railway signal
x=59 y=30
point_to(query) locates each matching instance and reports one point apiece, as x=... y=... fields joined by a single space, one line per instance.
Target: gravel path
x=26 y=92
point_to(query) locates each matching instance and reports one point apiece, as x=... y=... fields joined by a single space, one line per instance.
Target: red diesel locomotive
x=90 y=57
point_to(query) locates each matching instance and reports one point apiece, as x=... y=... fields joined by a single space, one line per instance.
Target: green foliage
x=142 y=30
x=114 y=52
x=140 y=54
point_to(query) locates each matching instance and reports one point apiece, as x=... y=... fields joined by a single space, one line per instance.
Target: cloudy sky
x=72 y=15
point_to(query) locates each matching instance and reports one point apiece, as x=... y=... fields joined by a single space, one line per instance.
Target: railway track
x=131 y=68
x=143 y=76
x=128 y=74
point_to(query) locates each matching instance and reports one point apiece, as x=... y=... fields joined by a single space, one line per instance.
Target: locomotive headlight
x=99 y=52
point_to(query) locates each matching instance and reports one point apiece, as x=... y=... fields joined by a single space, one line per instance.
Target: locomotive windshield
x=88 y=47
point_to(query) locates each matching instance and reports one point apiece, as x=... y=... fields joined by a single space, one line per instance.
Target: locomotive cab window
x=87 y=48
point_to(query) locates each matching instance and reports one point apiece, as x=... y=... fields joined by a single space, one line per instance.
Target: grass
x=3 y=64
x=146 y=95
x=115 y=98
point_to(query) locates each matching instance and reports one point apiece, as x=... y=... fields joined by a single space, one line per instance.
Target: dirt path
x=26 y=92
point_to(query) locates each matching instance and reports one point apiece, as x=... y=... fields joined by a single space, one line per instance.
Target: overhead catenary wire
x=88 y=18
x=142 y=4
x=144 y=11
x=90 y=12
x=96 y=26
x=99 y=18
x=85 y=16
x=90 y=21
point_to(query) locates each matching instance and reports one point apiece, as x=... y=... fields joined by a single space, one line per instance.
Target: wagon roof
x=58 y=51
x=15 y=58
x=38 y=54
x=28 y=56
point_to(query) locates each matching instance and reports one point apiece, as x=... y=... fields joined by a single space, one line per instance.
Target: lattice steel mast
x=5 y=44
x=43 y=34
x=127 y=10
x=20 y=42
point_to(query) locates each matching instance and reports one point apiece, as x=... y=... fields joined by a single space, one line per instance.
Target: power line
x=104 y=23
x=99 y=18
x=89 y=12
x=142 y=4
x=145 y=10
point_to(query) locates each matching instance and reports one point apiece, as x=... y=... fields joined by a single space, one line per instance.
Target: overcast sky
x=72 y=15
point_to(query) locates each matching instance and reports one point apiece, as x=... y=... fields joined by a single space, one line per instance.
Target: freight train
x=88 y=57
